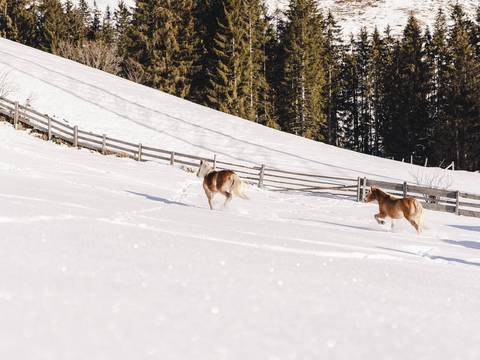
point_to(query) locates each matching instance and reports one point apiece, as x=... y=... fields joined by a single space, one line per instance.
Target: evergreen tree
x=332 y=60
x=74 y=24
x=464 y=94
x=364 y=91
x=108 y=30
x=303 y=70
x=122 y=18
x=350 y=127
x=160 y=44
x=379 y=62
x=52 y=26
x=95 y=28
x=226 y=88
x=18 y=20
x=411 y=121
x=438 y=58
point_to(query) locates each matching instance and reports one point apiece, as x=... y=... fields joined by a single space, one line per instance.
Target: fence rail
x=460 y=203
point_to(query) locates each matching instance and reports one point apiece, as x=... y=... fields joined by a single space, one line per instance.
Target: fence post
x=104 y=144
x=457 y=203
x=75 y=136
x=359 y=188
x=16 y=114
x=139 y=157
x=214 y=161
x=405 y=189
x=364 y=188
x=261 y=175
x=172 y=158
x=49 y=128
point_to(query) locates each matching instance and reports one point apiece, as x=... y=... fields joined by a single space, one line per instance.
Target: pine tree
x=332 y=60
x=303 y=70
x=85 y=18
x=160 y=45
x=108 y=30
x=438 y=58
x=95 y=28
x=74 y=22
x=122 y=18
x=464 y=94
x=349 y=110
x=364 y=91
x=411 y=118
x=52 y=26
x=18 y=20
x=226 y=88
x=379 y=61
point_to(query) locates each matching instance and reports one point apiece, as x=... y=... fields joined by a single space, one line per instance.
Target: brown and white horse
x=225 y=182
x=396 y=208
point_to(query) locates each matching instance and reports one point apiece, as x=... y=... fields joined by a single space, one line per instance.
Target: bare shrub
x=433 y=179
x=7 y=87
x=134 y=72
x=96 y=54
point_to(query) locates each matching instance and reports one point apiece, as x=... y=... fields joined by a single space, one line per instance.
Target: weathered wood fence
x=263 y=176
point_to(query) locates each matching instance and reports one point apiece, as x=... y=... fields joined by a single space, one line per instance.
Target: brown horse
x=225 y=182
x=396 y=208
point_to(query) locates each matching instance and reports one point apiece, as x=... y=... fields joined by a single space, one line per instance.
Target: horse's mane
x=383 y=193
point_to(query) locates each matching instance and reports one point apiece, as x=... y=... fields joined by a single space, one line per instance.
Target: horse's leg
x=380 y=217
x=209 y=197
x=415 y=225
x=393 y=224
x=228 y=198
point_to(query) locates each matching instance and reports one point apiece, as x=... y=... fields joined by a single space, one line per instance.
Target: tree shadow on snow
x=431 y=257
x=464 y=243
x=156 y=198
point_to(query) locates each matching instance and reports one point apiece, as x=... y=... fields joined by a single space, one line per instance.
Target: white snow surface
x=352 y=15
x=103 y=103
x=108 y=258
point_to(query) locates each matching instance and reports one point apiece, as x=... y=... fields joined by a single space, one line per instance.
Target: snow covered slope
x=354 y=14
x=108 y=258
x=103 y=103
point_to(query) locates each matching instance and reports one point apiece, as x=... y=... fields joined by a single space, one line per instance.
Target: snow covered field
x=108 y=258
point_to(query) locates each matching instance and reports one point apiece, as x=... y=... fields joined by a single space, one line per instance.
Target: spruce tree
x=95 y=28
x=107 y=28
x=160 y=45
x=411 y=118
x=303 y=70
x=18 y=20
x=464 y=94
x=52 y=26
x=226 y=88
x=332 y=60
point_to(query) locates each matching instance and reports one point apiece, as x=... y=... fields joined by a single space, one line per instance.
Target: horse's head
x=204 y=169
x=371 y=196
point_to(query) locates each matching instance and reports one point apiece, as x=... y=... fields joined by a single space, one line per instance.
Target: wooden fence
x=263 y=176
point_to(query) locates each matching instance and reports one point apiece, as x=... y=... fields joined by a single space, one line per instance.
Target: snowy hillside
x=108 y=258
x=354 y=14
x=103 y=103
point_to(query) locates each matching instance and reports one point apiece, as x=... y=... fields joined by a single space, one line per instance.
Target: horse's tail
x=418 y=214
x=236 y=187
